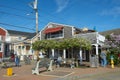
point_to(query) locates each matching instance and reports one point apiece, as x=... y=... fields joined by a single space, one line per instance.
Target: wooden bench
x=4 y=65
x=69 y=63
x=6 y=62
x=42 y=63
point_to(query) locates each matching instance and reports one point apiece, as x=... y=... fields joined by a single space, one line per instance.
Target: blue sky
x=19 y=15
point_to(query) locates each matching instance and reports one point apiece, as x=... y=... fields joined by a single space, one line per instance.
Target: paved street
x=104 y=76
x=101 y=76
x=24 y=73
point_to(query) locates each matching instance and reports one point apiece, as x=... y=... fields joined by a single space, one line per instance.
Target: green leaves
x=43 y=44
x=62 y=44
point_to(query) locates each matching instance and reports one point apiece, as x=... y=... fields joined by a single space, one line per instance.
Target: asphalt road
x=104 y=76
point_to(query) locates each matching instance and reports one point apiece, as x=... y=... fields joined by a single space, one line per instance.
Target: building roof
x=20 y=33
x=51 y=30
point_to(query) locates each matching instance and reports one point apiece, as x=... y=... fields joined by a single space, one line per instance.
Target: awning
x=51 y=30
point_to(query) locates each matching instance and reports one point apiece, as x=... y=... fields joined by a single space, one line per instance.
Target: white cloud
x=62 y=4
x=113 y=11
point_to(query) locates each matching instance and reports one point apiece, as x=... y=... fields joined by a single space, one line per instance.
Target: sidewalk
x=24 y=73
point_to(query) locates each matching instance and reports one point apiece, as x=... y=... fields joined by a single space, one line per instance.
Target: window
x=0 y=47
x=19 y=38
x=57 y=34
x=19 y=47
x=84 y=54
x=0 y=38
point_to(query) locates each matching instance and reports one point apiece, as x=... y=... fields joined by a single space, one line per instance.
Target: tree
x=114 y=42
x=75 y=42
x=61 y=44
x=44 y=44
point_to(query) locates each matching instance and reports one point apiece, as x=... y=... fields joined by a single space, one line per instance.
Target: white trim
x=53 y=52
x=73 y=31
x=61 y=24
x=64 y=55
x=96 y=47
x=40 y=35
x=54 y=38
x=97 y=37
x=0 y=38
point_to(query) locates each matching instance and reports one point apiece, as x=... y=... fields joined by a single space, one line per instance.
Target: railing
x=93 y=37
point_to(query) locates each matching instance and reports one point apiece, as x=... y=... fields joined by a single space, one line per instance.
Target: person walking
x=103 y=56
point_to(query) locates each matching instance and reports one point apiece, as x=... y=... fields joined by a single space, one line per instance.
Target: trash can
x=94 y=61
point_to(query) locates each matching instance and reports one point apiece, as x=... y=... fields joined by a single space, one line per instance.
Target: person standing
x=0 y=60
x=17 y=61
x=12 y=57
x=103 y=56
x=59 y=61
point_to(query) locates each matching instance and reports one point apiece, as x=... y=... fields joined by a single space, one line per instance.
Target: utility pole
x=36 y=13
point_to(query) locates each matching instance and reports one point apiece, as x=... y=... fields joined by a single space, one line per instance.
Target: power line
x=16 y=26
x=3 y=6
x=23 y=10
x=22 y=1
x=49 y=15
x=17 y=15
x=17 y=10
x=21 y=16
x=51 y=18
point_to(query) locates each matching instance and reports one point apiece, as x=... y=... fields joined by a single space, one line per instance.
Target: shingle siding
x=42 y=35
x=67 y=32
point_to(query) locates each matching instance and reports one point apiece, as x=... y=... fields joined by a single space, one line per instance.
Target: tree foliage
x=62 y=44
x=114 y=42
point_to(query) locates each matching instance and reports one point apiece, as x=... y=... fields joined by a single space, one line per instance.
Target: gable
x=2 y=32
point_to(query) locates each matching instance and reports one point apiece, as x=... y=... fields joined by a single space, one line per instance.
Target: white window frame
x=57 y=37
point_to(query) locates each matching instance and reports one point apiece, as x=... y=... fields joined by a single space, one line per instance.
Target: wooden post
x=64 y=55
